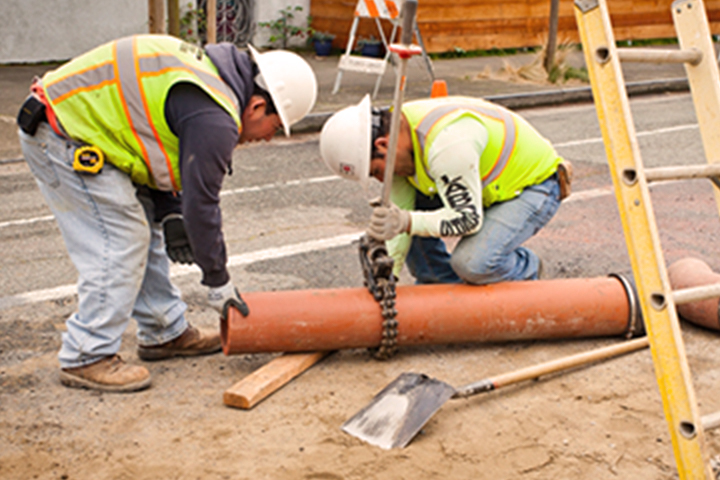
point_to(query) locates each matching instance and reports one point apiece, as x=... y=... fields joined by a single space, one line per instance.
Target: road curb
x=313 y=122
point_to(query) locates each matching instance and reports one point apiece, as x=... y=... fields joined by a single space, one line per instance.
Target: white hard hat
x=290 y=81
x=345 y=142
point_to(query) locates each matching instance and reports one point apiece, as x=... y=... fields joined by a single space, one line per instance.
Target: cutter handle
x=409 y=11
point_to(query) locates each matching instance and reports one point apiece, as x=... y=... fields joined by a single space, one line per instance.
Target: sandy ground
x=599 y=422
x=603 y=421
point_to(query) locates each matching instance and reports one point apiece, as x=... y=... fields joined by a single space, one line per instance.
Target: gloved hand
x=177 y=244
x=387 y=222
x=221 y=298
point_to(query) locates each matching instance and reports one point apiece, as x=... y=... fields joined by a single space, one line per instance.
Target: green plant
x=371 y=40
x=283 y=28
x=322 y=36
x=191 y=23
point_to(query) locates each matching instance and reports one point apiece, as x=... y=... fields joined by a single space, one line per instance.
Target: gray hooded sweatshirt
x=208 y=135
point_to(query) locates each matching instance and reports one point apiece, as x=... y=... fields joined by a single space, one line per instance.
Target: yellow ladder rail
x=632 y=193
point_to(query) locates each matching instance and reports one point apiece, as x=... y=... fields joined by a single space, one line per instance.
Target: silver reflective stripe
x=508 y=142
x=87 y=80
x=130 y=92
x=162 y=62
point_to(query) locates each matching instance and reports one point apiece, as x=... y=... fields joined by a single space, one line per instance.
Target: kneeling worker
x=110 y=136
x=464 y=167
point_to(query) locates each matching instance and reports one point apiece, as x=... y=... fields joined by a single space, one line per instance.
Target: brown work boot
x=192 y=342
x=111 y=374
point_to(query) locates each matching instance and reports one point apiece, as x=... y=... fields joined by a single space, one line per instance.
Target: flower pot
x=322 y=47
x=372 y=50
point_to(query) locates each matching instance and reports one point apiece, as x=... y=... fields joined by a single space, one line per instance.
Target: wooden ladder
x=631 y=181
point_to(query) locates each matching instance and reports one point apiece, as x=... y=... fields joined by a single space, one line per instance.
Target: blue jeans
x=493 y=254
x=118 y=251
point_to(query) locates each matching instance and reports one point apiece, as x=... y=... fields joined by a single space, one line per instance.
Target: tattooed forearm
x=459 y=199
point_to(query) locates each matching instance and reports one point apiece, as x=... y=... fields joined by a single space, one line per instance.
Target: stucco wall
x=31 y=32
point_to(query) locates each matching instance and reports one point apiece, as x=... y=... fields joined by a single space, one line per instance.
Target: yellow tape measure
x=88 y=159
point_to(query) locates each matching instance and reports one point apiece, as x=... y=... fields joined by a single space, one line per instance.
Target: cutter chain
x=377 y=269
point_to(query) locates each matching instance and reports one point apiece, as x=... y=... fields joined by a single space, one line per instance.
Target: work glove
x=387 y=222
x=177 y=244
x=226 y=296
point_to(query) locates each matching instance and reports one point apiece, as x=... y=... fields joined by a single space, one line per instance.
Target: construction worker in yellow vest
x=464 y=168
x=112 y=137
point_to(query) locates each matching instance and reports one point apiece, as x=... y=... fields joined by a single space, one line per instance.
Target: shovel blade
x=399 y=411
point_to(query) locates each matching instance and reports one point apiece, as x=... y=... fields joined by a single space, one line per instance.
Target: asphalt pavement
x=491 y=77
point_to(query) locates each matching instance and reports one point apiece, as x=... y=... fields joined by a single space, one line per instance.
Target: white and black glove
x=221 y=298
x=177 y=244
x=387 y=222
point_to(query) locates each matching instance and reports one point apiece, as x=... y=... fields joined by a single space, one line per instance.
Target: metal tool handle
x=408 y=13
x=552 y=366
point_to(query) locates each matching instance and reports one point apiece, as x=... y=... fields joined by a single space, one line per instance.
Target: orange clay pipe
x=331 y=319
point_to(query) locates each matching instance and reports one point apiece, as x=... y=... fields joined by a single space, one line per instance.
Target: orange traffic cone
x=439 y=89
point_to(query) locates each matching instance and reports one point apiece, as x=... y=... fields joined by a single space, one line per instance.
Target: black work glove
x=177 y=244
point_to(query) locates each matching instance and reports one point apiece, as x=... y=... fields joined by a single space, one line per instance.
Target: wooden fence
x=486 y=24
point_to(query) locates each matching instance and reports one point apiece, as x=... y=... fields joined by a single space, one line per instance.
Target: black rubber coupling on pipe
x=636 y=324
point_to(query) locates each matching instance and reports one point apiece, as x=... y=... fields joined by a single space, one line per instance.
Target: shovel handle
x=559 y=365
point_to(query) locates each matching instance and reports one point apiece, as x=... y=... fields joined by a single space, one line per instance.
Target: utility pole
x=211 y=15
x=552 y=36
x=173 y=9
x=156 y=16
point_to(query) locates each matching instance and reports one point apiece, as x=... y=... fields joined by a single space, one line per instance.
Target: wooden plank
x=269 y=378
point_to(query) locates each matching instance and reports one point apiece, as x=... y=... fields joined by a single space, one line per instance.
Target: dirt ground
x=603 y=421
x=599 y=422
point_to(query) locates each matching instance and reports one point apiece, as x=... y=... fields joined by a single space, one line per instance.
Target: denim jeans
x=123 y=271
x=493 y=254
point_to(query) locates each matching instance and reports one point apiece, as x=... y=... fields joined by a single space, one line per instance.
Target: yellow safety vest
x=516 y=155
x=114 y=96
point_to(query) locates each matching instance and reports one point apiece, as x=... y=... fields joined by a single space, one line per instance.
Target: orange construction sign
x=385 y=9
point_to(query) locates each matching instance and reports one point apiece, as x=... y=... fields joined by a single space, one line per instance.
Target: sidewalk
x=462 y=76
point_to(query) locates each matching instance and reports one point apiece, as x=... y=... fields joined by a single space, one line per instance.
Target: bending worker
x=110 y=136
x=464 y=167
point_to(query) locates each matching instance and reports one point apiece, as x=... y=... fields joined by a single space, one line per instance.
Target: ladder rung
x=683 y=172
x=694 y=294
x=710 y=421
x=692 y=56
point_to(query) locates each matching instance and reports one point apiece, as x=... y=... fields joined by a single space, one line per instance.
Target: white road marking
x=180 y=270
x=330 y=178
x=287 y=250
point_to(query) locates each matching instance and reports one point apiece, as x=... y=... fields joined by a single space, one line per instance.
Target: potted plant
x=322 y=43
x=371 y=47
x=283 y=28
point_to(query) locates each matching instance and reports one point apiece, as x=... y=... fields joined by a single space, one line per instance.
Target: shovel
x=400 y=410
